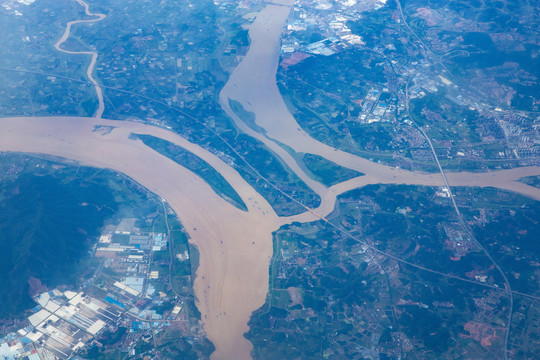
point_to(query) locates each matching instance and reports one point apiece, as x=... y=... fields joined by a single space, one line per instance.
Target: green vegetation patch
x=197 y=165
x=172 y=345
x=332 y=296
x=328 y=172
x=508 y=228
x=181 y=266
x=531 y=180
x=47 y=228
x=279 y=185
x=246 y=116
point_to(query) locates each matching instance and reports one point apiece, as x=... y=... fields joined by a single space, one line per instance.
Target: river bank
x=235 y=246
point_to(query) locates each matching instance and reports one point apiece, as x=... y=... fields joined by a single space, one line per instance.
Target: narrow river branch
x=93 y=54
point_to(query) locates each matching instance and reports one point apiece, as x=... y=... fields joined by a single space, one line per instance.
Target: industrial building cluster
x=62 y=323
x=123 y=294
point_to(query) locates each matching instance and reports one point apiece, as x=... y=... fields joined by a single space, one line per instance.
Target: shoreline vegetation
x=197 y=165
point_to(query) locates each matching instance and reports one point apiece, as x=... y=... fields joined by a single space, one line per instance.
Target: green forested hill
x=45 y=230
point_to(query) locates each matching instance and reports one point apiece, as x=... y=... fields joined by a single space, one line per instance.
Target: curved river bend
x=235 y=246
x=93 y=54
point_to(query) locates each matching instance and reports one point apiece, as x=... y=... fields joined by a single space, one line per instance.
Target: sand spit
x=253 y=84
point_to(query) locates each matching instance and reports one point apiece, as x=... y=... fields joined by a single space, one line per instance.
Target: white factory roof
x=43 y=299
x=5 y=350
x=76 y=299
x=126 y=288
x=94 y=329
x=34 y=336
x=135 y=283
x=69 y=294
x=93 y=306
x=38 y=317
x=34 y=356
x=51 y=306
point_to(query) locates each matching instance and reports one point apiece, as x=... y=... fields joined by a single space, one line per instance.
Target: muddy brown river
x=235 y=246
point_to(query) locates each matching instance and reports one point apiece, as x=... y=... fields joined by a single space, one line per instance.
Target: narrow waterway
x=93 y=54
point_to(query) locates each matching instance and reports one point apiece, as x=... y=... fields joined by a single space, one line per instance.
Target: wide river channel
x=235 y=246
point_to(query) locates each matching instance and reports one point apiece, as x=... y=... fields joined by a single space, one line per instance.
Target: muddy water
x=93 y=54
x=235 y=246
x=253 y=84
